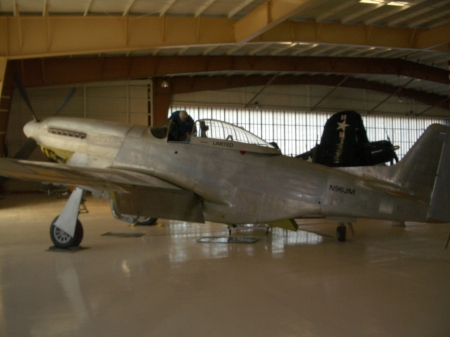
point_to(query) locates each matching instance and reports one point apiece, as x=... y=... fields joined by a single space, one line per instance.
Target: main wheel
x=341 y=232
x=63 y=240
x=147 y=222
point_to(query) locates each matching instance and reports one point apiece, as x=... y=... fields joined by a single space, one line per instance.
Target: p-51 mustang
x=228 y=175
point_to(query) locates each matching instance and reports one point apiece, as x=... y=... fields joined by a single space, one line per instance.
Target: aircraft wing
x=134 y=193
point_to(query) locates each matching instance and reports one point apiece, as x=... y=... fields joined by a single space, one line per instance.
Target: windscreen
x=210 y=128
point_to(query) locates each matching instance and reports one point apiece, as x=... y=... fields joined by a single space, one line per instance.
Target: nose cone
x=30 y=129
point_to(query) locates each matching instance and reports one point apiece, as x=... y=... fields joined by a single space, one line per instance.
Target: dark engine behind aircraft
x=344 y=143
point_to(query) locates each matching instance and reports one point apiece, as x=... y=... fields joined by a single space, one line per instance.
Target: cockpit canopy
x=211 y=132
x=210 y=128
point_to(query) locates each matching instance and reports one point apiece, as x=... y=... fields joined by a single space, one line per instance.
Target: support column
x=6 y=91
x=161 y=101
x=3 y=62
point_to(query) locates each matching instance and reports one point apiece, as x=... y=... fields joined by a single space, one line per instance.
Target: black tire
x=341 y=233
x=63 y=240
x=147 y=222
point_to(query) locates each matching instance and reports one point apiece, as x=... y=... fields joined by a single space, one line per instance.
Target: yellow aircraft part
x=289 y=224
x=56 y=155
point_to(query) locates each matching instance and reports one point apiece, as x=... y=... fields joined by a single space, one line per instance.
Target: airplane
x=344 y=143
x=226 y=174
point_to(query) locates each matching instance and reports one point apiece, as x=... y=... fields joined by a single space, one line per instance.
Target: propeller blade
x=26 y=150
x=66 y=100
x=24 y=94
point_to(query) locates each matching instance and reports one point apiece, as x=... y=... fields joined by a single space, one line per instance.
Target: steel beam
x=261 y=90
x=330 y=92
x=203 y=7
x=59 y=71
x=32 y=36
x=434 y=38
x=398 y=91
x=359 y=35
x=267 y=16
x=64 y=71
x=48 y=36
x=239 y=7
x=179 y=85
x=127 y=9
x=168 y=5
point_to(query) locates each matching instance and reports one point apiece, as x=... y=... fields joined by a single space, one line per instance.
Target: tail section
x=425 y=171
x=440 y=198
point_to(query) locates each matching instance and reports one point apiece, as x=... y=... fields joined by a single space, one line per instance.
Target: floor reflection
x=68 y=277
x=275 y=241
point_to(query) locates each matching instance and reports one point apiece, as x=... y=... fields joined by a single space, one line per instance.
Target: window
x=297 y=132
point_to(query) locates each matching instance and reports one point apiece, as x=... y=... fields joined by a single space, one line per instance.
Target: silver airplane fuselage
x=236 y=184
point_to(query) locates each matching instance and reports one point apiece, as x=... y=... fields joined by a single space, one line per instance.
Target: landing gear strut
x=66 y=230
x=341 y=231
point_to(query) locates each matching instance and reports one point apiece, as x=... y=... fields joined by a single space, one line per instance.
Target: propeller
x=24 y=94
x=393 y=148
x=27 y=149
x=65 y=101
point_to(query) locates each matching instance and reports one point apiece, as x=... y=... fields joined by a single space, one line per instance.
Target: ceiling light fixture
x=164 y=84
x=397 y=3
x=373 y=2
x=384 y=2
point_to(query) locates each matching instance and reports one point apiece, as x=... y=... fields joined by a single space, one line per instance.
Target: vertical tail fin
x=440 y=198
x=425 y=171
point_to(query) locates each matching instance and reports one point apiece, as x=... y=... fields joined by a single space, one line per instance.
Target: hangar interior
x=135 y=61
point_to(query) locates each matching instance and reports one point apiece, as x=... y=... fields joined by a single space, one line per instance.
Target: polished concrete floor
x=386 y=281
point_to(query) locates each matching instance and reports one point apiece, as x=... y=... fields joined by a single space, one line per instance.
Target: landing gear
x=63 y=240
x=230 y=227
x=341 y=232
x=66 y=230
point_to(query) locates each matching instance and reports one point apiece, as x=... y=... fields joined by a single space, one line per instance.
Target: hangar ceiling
x=382 y=45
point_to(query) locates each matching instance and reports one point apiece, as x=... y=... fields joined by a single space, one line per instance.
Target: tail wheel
x=63 y=240
x=341 y=232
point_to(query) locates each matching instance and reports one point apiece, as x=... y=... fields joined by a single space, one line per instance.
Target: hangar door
x=296 y=132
